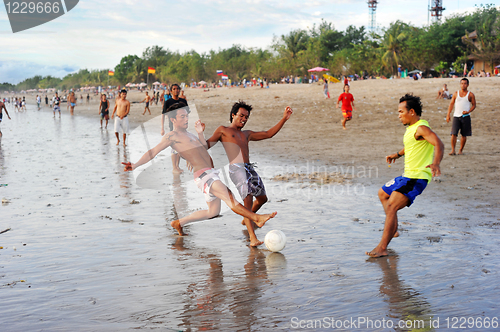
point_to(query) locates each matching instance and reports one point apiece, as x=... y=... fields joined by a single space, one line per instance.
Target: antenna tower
x=372 y=7
x=437 y=10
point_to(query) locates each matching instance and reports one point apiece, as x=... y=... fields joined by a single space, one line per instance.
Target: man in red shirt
x=347 y=105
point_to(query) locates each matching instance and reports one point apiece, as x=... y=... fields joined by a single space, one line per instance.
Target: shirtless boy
x=242 y=172
x=2 y=107
x=147 y=100
x=72 y=102
x=206 y=177
x=122 y=108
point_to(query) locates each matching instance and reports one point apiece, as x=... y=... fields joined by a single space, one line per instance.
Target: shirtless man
x=72 y=102
x=175 y=98
x=147 y=99
x=242 y=172
x=2 y=107
x=465 y=104
x=122 y=108
x=194 y=150
x=443 y=93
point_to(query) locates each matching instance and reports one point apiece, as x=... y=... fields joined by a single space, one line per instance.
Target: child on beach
x=347 y=105
x=147 y=100
x=241 y=171
x=194 y=150
x=122 y=109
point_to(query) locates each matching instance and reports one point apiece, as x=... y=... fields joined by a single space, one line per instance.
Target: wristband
x=399 y=155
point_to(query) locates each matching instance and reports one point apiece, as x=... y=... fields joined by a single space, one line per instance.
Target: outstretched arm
x=431 y=137
x=260 y=135
x=164 y=143
x=392 y=157
x=215 y=137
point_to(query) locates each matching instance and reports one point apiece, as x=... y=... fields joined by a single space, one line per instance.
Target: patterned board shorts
x=246 y=180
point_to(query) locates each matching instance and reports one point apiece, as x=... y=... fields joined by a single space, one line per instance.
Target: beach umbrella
x=415 y=71
x=202 y=82
x=497 y=66
x=142 y=84
x=318 y=69
x=156 y=83
x=128 y=85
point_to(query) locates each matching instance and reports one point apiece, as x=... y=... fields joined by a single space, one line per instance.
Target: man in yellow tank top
x=420 y=166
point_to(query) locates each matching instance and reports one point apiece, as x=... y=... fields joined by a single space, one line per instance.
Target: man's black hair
x=175 y=84
x=237 y=106
x=123 y=90
x=412 y=102
x=172 y=112
x=465 y=79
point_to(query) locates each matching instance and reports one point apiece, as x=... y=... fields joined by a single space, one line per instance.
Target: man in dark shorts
x=464 y=102
x=147 y=100
x=175 y=90
x=104 y=109
x=56 y=101
x=420 y=166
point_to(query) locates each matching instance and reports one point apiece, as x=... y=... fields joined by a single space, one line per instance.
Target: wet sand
x=95 y=251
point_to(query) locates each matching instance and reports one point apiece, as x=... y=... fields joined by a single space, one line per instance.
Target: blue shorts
x=411 y=188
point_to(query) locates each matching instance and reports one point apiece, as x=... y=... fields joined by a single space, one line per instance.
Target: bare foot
x=255 y=243
x=263 y=218
x=177 y=171
x=452 y=153
x=124 y=143
x=177 y=225
x=460 y=153
x=118 y=143
x=344 y=128
x=396 y=234
x=254 y=224
x=377 y=253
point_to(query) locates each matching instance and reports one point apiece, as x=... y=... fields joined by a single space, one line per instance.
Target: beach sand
x=89 y=249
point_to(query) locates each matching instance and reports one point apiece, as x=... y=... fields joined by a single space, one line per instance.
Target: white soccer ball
x=275 y=240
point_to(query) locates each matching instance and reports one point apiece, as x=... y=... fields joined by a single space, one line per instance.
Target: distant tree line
x=440 y=46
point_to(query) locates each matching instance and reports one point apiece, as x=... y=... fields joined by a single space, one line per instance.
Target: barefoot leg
x=396 y=202
x=220 y=190
x=213 y=211
x=453 y=144
x=463 y=140
x=124 y=137
x=117 y=138
x=254 y=241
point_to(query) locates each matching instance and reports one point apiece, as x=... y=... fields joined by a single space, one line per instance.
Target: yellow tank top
x=418 y=154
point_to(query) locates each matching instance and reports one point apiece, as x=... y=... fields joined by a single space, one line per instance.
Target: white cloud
x=97 y=34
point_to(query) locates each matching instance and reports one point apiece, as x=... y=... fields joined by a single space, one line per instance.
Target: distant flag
x=220 y=72
x=465 y=69
x=151 y=70
x=224 y=77
x=111 y=73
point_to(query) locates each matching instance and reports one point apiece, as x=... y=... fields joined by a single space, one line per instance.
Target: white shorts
x=205 y=180
x=121 y=124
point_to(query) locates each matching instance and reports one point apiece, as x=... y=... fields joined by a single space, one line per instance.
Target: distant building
x=478 y=63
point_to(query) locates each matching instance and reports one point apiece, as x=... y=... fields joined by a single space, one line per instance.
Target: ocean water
x=90 y=249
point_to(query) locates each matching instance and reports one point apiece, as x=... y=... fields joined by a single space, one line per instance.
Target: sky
x=97 y=34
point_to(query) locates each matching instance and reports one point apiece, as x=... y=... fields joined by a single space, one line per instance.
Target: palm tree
x=392 y=45
x=295 y=42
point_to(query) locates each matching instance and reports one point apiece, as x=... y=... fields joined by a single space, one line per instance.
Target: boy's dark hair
x=237 y=106
x=172 y=112
x=465 y=79
x=412 y=102
x=123 y=90
x=175 y=84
